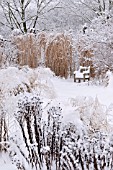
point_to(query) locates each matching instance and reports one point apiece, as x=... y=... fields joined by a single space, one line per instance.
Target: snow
x=71 y=96
x=78 y=74
x=15 y=79
x=53 y=89
x=110 y=76
x=67 y=89
x=7 y=167
x=5 y=163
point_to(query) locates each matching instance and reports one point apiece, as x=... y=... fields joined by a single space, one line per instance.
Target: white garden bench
x=82 y=74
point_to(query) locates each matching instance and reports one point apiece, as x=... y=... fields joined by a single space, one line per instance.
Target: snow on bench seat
x=82 y=74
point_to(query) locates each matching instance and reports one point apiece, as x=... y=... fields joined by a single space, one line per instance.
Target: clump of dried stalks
x=59 y=55
x=28 y=52
x=29 y=49
x=55 y=51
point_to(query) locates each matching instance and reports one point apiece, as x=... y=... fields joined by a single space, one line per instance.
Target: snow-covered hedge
x=15 y=80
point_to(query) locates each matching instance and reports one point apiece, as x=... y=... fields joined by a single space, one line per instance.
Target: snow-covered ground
x=56 y=90
x=66 y=89
x=52 y=89
x=5 y=163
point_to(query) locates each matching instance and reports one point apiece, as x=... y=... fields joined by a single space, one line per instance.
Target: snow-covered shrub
x=8 y=53
x=92 y=113
x=34 y=142
x=44 y=84
x=29 y=117
x=82 y=152
x=14 y=81
x=109 y=75
x=3 y=130
x=37 y=143
x=105 y=80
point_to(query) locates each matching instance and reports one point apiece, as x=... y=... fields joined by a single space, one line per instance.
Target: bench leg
x=74 y=79
x=84 y=78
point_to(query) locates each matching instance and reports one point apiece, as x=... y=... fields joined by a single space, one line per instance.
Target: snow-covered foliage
x=92 y=113
x=36 y=143
x=38 y=133
x=109 y=75
x=15 y=80
x=8 y=53
x=97 y=38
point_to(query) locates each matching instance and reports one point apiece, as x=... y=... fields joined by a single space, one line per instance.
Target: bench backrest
x=84 y=69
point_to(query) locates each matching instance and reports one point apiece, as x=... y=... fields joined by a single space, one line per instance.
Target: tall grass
x=54 y=51
x=59 y=55
x=28 y=51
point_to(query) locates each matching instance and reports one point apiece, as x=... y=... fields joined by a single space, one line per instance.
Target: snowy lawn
x=67 y=89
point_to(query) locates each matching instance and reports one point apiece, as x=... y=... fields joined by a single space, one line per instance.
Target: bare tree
x=24 y=14
x=88 y=9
